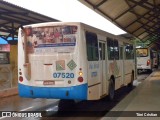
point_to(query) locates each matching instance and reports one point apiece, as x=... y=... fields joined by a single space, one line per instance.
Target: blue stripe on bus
x=56 y=45
x=74 y=92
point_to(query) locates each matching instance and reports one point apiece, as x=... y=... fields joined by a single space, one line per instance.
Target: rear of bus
x=49 y=62
x=144 y=61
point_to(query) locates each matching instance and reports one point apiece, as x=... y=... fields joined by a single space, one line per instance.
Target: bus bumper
x=74 y=92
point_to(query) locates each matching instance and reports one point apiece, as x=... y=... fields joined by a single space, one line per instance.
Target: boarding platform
x=143 y=103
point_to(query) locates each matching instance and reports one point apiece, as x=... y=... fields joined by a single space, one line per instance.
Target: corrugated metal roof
x=13 y=16
x=140 y=18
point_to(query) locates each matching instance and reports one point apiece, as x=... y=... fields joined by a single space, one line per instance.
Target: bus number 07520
x=63 y=75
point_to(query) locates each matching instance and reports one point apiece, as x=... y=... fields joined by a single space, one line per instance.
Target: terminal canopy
x=12 y=17
x=140 y=18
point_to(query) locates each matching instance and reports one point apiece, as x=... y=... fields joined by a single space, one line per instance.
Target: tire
x=111 y=90
x=150 y=71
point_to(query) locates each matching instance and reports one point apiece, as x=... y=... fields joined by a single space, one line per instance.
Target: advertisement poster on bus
x=42 y=40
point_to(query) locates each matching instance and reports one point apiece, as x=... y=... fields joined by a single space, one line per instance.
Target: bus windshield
x=142 y=52
x=50 y=39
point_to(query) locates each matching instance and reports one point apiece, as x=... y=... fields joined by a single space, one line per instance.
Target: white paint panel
x=94 y=92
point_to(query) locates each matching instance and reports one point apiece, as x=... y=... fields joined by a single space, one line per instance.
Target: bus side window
x=129 y=52
x=121 y=53
x=110 y=48
x=132 y=52
x=116 y=50
x=102 y=51
x=103 y=48
x=92 y=46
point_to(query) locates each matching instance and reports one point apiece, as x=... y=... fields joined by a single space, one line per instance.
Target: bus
x=72 y=61
x=144 y=60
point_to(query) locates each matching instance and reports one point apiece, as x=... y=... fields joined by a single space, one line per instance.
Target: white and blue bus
x=144 y=60
x=72 y=60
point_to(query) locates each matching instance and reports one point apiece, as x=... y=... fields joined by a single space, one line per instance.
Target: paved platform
x=143 y=103
x=8 y=92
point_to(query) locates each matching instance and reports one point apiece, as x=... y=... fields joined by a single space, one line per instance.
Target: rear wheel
x=150 y=71
x=111 y=89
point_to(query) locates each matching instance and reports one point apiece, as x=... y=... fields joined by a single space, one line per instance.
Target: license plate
x=48 y=82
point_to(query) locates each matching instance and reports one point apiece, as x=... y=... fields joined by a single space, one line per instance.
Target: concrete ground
x=143 y=103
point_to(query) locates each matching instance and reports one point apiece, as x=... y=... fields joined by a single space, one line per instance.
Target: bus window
x=142 y=52
x=92 y=46
x=110 y=48
x=116 y=50
x=129 y=52
x=103 y=48
x=102 y=51
x=121 y=52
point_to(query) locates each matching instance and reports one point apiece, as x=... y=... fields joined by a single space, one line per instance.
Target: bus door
x=122 y=70
x=102 y=64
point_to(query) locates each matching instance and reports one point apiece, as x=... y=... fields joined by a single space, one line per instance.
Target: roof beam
x=131 y=7
x=140 y=4
x=143 y=25
x=24 y=13
x=6 y=31
x=157 y=43
x=99 y=4
x=153 y=42
x=11 y=12
x=2 y=24
x=146 y=37
x=6 y=26
x=11 y=20
x=13 y=32
x=149 y=27
x=4 y=38
x=142 y=33
x=125 y=11
x=153 y=5
x=149 y=8
x=154 y=9
x=137 y=19
x=111 y=19
x=3 y=30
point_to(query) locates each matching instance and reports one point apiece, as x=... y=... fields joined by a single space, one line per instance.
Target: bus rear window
x=142 y=52
x=51 y=39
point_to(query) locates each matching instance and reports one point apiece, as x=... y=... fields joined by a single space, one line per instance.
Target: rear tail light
x=148 y=62
x=80 y=79
x=20 y=78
